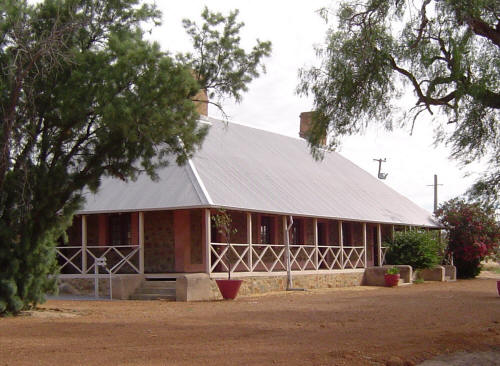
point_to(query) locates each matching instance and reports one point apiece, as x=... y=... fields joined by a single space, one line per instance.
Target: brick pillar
x=134 y=228
x=103 y=229
x=182 y=238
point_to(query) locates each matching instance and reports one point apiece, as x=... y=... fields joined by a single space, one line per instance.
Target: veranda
x=162 y=243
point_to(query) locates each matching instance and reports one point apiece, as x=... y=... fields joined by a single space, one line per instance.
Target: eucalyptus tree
x=446 y=52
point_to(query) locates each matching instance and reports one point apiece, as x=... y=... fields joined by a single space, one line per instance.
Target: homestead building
x=156 y=234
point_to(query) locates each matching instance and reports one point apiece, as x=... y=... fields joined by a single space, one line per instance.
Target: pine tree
x=82 y=95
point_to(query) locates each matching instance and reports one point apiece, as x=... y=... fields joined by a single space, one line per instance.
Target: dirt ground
x=354 y=326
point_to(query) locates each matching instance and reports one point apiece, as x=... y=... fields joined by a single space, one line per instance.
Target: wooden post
x=84 y=244
x=392 y=232
x=341 y=243
x=364 y=244
x=379 y=244
x=315 y=238
x=249 y=241
x=141 y=242
x=284 y=229
x=208 y=241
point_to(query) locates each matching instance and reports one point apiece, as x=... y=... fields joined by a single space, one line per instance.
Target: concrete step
x=137 y=296
x=158 y=284
x=155 y=290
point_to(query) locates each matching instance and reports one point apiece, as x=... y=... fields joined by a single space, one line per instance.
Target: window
x=119 y=229
x=266 y=229
x=296 y=238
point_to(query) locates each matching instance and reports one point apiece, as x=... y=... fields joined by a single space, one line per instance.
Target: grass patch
x=491 y=268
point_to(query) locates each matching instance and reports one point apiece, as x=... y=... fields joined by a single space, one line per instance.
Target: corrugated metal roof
x=250 y=169
x=176 y=187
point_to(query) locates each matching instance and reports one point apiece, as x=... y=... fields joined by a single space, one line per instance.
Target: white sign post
x=101 y=261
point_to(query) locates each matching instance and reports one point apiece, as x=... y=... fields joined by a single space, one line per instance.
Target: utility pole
x=435 y=185
x=380 y=174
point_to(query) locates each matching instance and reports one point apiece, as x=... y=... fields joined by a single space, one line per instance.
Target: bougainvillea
x=473 y=234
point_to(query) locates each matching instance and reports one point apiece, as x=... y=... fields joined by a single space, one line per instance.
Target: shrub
x=393 y=271
x=473 y=234
x=415 y=248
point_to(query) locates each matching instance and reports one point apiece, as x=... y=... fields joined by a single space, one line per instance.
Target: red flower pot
x=391 y=280
x=229 y=288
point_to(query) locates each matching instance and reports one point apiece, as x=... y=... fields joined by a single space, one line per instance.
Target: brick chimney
x=306 y=124
x=201 y=102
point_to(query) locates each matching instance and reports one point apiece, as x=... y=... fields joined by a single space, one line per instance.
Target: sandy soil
x=355 y=326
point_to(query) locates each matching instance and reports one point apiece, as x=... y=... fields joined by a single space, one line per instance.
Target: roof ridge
x=198 y=185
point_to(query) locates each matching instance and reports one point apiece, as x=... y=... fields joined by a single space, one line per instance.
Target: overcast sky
x=271 y=103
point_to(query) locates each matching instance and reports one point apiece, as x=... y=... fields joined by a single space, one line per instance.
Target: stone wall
x=83 y=286
x=260 y=285
x=122 y=286
x=159 y=248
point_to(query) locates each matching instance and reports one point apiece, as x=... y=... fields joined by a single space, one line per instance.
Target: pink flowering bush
x=473 y=234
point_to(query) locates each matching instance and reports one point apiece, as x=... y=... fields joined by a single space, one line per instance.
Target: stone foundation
x=122 y=286
x=262 y=284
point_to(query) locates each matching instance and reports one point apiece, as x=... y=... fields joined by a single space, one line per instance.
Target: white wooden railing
x=119 y=258
x=271 y=257
x=383 y=251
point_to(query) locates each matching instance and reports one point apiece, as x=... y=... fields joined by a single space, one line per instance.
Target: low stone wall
x=432 y=274
x=262 y=284
x=123 y=286
x=374 y=276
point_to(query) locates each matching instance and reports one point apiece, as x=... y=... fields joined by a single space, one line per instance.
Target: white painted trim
x=141 y=242
x=315 y=239
x=217 y=275
x=379 y=244
x=200 y=182
x=208 y=239
x=249 y=239
x=365 y=244
x=341 y=244
x=84 y=243
x=235 y=208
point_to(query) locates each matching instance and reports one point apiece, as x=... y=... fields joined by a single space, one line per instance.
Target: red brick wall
x=196 y=255
x=240 y=224
x=92 y=230
x=309 y=231
x=75 y=231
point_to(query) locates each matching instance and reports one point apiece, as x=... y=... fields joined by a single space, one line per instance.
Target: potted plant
x=224 y=224
x=392 y=277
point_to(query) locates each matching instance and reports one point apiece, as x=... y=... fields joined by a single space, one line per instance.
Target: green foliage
x=219 y=63
x=473 y=234
x=446 y=52
x=418 y=249
x=393 y=270
x=224 y=224
x=82 y=95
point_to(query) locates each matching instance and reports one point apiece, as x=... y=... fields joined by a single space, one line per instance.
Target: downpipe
x=289 y=284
